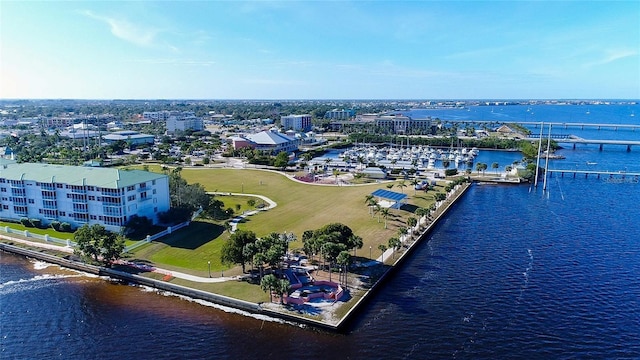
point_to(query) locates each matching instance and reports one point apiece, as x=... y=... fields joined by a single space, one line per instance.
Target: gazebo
x=394 y=198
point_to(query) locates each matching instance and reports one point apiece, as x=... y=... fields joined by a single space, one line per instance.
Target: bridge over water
x=535 y=125
x=615 y=176
x=572 y=139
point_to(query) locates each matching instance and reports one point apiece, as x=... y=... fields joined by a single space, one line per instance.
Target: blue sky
x=320 y=49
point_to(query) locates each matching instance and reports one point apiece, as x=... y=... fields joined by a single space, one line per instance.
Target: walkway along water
x=256 y=308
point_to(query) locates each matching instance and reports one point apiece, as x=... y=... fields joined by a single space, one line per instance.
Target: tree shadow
x=193 y=236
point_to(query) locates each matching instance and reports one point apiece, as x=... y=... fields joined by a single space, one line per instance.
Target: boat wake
x=36 y=282
x=526 y=275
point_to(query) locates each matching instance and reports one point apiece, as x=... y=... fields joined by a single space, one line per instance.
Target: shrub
x=55 y=225
x=36 y=223
x=450 y=172
x=25 y=222
x=66 y=227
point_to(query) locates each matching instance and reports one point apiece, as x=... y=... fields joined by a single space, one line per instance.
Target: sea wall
x=165 y=286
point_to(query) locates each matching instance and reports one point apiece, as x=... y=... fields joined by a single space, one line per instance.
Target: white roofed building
x=268 y=141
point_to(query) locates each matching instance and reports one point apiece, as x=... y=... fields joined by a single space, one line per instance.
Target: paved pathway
x=234 y=222
x=176 y=274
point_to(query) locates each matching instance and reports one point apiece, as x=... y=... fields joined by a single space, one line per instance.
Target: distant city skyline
x=320 y=50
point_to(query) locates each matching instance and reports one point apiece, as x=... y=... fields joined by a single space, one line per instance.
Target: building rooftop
x=269 y=138
x=77 y=175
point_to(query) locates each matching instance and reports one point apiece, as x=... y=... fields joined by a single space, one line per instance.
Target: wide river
x=511 y=272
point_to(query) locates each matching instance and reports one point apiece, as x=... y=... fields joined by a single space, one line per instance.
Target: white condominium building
x=296 y=122
x=184 y=121
x=156 y=115
x=80 y=195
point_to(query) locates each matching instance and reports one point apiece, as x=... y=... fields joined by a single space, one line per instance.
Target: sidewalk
x=234 y=222
x=176 y=274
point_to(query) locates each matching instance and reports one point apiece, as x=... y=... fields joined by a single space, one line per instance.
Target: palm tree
x=402 y=231
x=367 y=200
x=495 y=166
x=282 y=287
x=376 y=209
x=402 y=185
x=421 y=212
x=269 y=283
x=385 y=214
x=394 y=243
x=389 y=186
x=382 y=248
x=343 y=261
x=411 y=222
x=414 y=183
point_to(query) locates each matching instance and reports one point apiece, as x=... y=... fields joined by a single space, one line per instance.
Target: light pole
x=209 y=263
x=370 y=253
x=242 y=188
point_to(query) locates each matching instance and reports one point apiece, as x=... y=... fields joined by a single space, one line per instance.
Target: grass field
x=304 y=206
x=300 y=207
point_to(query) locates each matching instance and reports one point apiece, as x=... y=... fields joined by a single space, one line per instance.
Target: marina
x=419 y=158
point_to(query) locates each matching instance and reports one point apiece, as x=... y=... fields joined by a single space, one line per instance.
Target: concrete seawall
x=396 y=265
x=250 y=307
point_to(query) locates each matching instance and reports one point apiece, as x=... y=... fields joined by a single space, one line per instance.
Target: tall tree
x=385 y=215
x=394 y=243
x=343 y=260
x=96 y=243
x=269 y=283
x=233 y=251
x=282 y=160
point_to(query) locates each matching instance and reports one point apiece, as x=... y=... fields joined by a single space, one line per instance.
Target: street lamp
x=209 y=263
x=370 y=252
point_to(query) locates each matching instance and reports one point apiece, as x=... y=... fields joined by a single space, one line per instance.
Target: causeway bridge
x=538 y=124
x=572 y=139
x=614 y=176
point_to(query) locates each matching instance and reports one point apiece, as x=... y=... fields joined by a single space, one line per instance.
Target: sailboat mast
x=546 y=165
x=535 y=183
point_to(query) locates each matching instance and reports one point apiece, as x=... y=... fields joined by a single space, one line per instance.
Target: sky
x=320 y=49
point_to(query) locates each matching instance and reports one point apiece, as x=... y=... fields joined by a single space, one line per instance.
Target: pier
x=621 y=176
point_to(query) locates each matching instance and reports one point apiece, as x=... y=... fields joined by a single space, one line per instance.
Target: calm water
x=510 y=273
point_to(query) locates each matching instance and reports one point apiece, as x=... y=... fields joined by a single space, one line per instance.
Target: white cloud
x=126 y=30
x=611 y=56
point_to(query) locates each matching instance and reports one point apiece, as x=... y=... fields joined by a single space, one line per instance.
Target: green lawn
x=300 y=207
x=303 y=206
x=191 y=247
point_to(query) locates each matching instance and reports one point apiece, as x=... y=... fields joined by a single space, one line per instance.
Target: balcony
x=111 y=211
